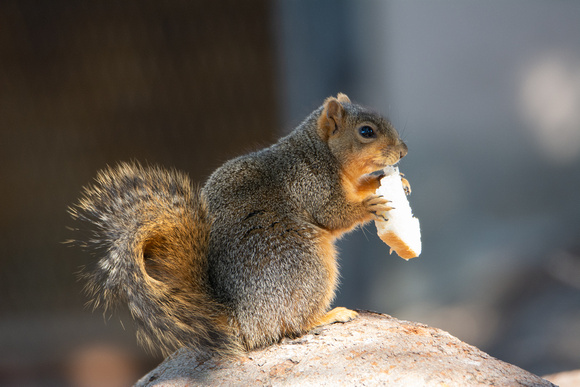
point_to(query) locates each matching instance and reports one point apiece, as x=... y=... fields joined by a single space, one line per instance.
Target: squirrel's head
x=363 y=141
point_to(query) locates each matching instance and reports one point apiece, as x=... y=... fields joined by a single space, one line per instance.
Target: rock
x=374 y=349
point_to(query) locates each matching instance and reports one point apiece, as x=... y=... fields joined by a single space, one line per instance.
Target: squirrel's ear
x=343 y=98
x=331 y=118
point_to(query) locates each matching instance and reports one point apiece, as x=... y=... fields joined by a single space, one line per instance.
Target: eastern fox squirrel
x=249 y=258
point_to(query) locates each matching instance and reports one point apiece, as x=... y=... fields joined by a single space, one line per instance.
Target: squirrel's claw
x=380 y=216
x=377 y=205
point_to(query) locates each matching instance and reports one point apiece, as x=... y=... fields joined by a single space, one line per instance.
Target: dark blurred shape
x=185 y=84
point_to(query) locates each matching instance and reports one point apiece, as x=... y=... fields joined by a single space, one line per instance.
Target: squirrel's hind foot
x=338 y=314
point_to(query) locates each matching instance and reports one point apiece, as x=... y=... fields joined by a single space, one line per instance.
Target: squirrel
x=248 y=258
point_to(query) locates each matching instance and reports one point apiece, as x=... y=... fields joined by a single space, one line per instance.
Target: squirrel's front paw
x=377 y=205
x=406 y=185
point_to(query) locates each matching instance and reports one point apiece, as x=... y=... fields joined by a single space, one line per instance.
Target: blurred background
x=486 y=95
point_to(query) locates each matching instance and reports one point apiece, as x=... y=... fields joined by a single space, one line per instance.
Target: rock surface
x=374 y=349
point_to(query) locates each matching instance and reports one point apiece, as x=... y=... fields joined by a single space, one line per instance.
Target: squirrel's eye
x=366 y=131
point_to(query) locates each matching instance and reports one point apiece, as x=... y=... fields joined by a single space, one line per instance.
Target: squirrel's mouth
x=391 y=156
x=392 y=160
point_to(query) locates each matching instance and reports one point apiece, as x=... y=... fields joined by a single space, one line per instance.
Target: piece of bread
x=400 y=230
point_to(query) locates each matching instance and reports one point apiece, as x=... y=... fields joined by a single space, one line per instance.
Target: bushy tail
x=150 y=228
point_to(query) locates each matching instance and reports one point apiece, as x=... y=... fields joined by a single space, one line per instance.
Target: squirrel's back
x=269 y=263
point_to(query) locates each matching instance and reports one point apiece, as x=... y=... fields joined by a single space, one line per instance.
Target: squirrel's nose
x=404 y=150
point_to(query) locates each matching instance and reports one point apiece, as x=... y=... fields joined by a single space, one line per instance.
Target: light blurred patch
x=550 y=105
